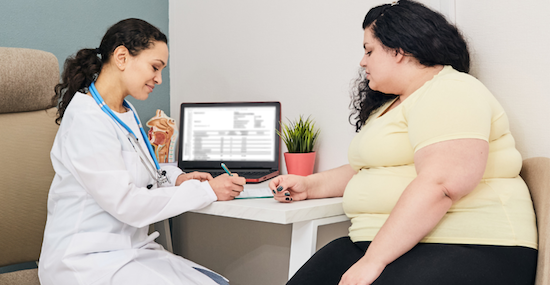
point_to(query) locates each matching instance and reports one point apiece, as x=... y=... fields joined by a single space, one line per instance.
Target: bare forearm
x=447 y=171
x=419 y=209
x=330 y=183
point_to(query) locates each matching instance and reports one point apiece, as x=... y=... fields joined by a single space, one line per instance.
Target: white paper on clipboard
x=260 y=190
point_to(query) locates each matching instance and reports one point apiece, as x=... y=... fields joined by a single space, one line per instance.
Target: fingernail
x=280 y=188
x=274 y=192
x=287 y=194
x=288 y=199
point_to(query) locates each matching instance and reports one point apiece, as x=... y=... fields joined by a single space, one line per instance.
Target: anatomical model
x=163 y=135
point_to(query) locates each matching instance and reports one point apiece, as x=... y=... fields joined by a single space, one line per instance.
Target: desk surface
x=271 y=211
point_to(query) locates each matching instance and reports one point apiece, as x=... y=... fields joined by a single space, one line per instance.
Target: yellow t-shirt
x=453 y=105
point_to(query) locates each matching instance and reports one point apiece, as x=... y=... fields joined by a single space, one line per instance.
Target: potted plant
x=299 y=137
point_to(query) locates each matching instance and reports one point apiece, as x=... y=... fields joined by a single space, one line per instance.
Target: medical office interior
x=304 y=54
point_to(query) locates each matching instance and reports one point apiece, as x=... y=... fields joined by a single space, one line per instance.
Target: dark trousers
x=426 y=264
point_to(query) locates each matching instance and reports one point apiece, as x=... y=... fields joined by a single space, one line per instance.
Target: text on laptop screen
x=229 y=133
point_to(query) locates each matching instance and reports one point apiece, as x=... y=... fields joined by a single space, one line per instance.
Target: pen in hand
x=226 y=170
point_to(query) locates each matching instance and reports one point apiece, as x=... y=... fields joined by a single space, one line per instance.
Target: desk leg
x=163 y=227
x=304 y=240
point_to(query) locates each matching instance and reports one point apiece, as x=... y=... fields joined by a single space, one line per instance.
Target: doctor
x=108 y=188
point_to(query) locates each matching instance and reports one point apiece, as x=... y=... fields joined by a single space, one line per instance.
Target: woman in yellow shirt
x=433 y=188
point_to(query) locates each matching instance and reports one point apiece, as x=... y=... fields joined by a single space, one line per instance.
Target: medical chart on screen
x=229 y=133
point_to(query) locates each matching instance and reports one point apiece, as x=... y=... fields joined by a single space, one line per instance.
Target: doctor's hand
x=288 y=188
x=201 y=176
x=227 y=187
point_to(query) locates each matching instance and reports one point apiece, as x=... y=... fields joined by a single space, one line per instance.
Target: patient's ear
x=399 y=55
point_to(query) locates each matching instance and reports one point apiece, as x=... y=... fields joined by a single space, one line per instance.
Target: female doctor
x=108 y=188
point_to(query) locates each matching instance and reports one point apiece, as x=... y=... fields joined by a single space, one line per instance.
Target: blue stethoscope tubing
x=161 y=175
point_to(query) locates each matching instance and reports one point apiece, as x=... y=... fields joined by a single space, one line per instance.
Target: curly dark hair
x=82 y=69
x=419 y=32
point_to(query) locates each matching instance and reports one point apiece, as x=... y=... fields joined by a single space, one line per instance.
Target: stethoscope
x=155 y=171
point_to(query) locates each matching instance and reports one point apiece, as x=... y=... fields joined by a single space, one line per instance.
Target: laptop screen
x=240 y=134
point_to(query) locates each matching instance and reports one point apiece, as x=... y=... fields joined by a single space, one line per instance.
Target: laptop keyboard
x=246 y=174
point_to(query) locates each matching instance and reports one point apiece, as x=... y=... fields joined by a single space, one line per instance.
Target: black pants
x=426 y=264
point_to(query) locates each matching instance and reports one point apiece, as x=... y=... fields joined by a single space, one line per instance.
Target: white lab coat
x=99 y=208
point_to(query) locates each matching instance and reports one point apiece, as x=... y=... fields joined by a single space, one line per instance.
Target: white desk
x=305 y=217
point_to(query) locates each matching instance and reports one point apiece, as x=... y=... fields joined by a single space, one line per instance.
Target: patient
x=432 y=187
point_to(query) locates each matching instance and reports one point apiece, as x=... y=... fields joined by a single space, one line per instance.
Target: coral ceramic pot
x=300 y=163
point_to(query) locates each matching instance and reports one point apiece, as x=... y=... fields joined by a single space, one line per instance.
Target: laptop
x=240 y=134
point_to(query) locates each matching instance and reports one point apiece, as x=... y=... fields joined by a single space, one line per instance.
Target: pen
x=226 y=170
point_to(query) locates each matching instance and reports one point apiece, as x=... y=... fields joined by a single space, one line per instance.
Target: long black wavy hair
x=421 y=33
x=81 y=69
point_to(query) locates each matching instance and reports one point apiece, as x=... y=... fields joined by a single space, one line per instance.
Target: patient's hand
x=288 y=188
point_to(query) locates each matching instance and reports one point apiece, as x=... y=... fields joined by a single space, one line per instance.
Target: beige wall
x=306 y=53
x=509 y=42
x=302 y=53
